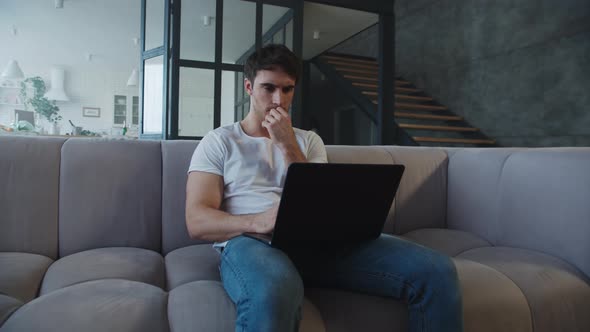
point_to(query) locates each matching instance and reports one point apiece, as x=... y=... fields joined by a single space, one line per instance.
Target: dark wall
x=517 y=69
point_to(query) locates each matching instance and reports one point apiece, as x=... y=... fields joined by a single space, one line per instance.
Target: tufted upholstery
x=92 y=237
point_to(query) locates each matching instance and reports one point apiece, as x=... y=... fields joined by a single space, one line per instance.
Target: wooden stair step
x=453 y=140
x=421 y=107
x=398 y=84
x=372 y=74
x=419 y=98
x=356 y=65
x=362 y=78
x=437 y=128
x=347 y=59
x=356 y=74
x=409 y=90
x=406 y=90
x=359 y=70
x=427 y=116
x=399 y=96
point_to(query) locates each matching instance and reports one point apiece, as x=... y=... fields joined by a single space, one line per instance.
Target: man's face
x=270 y=89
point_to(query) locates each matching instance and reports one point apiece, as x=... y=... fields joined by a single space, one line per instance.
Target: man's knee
x=283 y=288
x=442 y=270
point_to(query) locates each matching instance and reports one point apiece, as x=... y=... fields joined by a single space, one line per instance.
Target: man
x=234 y=186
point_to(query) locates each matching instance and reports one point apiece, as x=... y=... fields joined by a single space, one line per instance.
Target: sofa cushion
x=110 y=195
x=122 y=263
x=176 y=156
x=491 y=301
x=201 y=306
x=101 y=305
x=344 y=311
x=204 y=306
x=7 y=306
x=30 y=178
x=448 y=241
x=358 y=154
x=473 y=190
x=544 y=203
x=22 y=274
x=421 y=199
x=192 y=263
x=558 y=294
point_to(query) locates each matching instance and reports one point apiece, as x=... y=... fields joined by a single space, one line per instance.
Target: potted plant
x=37 y=101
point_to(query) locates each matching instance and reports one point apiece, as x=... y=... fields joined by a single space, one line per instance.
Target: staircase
x=423 y=119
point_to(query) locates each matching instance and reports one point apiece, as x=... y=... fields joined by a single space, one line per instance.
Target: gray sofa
x=92 y=238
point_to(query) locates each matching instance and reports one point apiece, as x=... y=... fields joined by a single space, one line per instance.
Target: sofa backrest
x=29 y=189
x=110 y=195
x=421 y=200
x=421 y=197
x=473 y=190
x=528 y=198
x=99 y=193
x=176 y=156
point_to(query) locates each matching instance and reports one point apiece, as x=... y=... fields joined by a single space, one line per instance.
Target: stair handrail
x=360 y=100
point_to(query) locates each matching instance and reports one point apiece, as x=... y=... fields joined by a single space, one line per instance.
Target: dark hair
x=272 y=57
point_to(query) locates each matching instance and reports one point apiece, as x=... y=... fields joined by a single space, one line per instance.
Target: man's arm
x=205 y=220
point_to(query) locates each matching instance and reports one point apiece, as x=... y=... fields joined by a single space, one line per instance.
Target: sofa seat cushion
x=7 y=306
x=557 y=293
x=123 y=263
x=200 y=306
x=22 y=274
x=192 y=263
x=204 y=306
x=449 y=241
x=100 y=305
x=491 y=301
x=345 y=311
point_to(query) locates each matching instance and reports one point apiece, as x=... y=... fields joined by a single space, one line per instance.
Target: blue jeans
x=267 y=286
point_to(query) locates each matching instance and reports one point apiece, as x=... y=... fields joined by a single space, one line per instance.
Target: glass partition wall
x=154 y=69
x=201 y=86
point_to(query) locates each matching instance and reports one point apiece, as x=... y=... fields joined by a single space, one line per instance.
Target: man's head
x=273 y=57
x=271 y=74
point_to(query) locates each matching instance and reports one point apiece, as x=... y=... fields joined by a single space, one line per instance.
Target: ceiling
x=334 y=24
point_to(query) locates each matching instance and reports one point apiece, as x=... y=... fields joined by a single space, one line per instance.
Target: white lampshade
x=56 y=91
x=133 y=78
x=12 y=70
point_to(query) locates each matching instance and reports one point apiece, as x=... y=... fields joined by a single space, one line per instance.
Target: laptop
x=330 y=205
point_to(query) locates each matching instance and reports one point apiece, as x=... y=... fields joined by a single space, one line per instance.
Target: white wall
x=47 y=36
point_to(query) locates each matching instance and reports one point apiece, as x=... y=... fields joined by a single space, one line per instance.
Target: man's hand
x=265 y=221
x=278 y=124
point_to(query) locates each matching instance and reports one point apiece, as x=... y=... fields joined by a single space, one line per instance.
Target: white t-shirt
x=253 y=168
